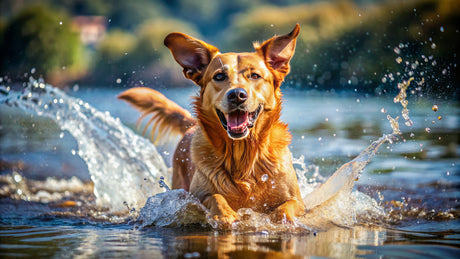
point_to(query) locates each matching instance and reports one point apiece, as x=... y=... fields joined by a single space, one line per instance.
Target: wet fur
x=227 y=174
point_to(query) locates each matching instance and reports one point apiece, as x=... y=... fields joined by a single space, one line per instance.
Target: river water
x=78 y=180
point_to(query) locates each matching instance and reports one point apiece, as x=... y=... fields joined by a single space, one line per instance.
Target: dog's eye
x=255 y=76
x=219 y=77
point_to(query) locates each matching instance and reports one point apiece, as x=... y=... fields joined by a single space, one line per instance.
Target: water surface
x=49 y=208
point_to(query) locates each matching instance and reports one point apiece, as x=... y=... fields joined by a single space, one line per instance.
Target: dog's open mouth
x=237 y=123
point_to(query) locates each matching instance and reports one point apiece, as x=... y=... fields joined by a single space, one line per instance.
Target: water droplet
x=32 y=71
x=397 y=50
x=17 y=177
x=61 y=135
x=433 y=46
x=394 y=124
x=428 y=130
x=320 y=138
x=439 y=117
x=60 y=23
x=383 y=110
x=264 y=178
x=434 y=108
x=73 y=152
x=118 y=81
x=399 y=60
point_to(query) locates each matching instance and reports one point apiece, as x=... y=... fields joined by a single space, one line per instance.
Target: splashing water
x=126 y=170
x=331 y=203
x=124 y=167
x=401 y=98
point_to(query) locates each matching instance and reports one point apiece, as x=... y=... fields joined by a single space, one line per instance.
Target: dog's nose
x=237 y=96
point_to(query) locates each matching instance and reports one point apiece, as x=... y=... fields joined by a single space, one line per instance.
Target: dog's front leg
x=288 y=210
x=219 y=208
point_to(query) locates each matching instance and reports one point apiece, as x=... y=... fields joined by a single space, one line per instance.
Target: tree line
x=364 y=46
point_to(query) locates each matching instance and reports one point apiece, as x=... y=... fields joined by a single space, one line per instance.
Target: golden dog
x=234 y=154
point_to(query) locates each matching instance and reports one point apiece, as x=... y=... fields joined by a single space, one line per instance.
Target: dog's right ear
x=192 y=54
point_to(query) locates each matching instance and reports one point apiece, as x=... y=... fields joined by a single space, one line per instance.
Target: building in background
x=91 y=28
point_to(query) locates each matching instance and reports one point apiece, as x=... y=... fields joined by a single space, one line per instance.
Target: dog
x=234 y=154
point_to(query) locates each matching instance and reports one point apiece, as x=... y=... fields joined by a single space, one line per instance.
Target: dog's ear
x=278 y=51
x=192 y=54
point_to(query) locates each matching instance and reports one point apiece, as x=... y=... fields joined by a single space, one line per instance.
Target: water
x=123 y=166
x=405 y=201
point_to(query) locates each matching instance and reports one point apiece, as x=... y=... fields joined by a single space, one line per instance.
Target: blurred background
x=362 y=46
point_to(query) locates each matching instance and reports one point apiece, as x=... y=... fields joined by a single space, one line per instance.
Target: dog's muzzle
x=238 y=122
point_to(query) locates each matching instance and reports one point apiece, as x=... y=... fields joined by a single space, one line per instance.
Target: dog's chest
x=264 y=196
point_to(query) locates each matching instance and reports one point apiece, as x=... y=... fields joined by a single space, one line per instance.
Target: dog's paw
x=282 y=216
x=287 y=212
x=225 y=220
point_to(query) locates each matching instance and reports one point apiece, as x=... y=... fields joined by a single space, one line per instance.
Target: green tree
x=140 y=57
x=38 y=37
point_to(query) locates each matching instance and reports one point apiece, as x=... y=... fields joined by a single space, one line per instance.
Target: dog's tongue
x=237 y=121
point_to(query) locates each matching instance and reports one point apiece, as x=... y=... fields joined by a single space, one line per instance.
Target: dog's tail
x=168 y=119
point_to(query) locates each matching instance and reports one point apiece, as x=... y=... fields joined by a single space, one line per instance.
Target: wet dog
x=234 y=153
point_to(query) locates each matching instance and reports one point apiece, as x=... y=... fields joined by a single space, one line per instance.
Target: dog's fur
x=235 y=153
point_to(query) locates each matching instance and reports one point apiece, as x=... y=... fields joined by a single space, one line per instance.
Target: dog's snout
x=237 y=96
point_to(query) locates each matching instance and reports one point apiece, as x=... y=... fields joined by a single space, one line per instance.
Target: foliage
x=343 y=44
x=139 y=58
x=39 y=38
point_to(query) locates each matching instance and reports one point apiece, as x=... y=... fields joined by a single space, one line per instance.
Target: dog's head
x=237 y=89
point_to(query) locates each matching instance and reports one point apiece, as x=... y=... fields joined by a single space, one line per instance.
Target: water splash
x=124 y=167
x=126 y=170
x=394 y=124
x=173 y=208
x=332 y=203
x=343 y=179
x=401 y=98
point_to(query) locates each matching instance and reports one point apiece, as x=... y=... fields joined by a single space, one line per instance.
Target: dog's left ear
x=192 y=54
x=278 y=51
